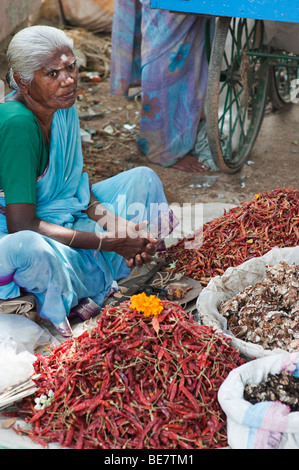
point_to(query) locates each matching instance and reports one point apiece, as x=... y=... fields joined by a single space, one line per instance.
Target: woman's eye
x=72 y=66
x=53 y=74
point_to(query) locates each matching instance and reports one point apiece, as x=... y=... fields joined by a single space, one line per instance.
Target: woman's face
x=55 y=85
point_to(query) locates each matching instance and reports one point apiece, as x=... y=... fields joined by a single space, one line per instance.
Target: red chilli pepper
x=120 y=385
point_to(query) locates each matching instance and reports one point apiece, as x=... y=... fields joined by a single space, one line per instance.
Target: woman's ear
x=21 y=83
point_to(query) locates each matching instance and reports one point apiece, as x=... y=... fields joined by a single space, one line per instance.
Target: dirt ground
x=274 y=161
x=112 y=123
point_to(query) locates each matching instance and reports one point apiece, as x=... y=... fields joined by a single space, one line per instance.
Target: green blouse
x=23 y=153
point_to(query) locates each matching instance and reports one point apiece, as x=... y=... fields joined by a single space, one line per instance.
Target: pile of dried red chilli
x=247 y=231
x=133 y=382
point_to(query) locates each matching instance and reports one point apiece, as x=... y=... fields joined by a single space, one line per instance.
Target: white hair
x=31 y=49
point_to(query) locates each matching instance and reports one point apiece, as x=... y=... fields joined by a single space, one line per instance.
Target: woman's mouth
x=69 y=95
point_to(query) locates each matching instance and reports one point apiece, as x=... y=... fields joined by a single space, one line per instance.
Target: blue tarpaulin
x=275 y=10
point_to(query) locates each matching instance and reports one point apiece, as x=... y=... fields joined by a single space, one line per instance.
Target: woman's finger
x=151 y=248
x=130 y=263
x=141 y=225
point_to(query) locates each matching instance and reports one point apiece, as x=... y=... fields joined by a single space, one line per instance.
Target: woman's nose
x=66 y=80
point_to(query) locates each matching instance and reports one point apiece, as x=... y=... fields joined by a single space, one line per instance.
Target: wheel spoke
x=284 y=74
x=233 y=40
x=225 y=108
x=232 y=102
x=242 y=115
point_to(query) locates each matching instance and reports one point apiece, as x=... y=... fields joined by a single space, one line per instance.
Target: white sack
x=264 y=425
x=233 y=281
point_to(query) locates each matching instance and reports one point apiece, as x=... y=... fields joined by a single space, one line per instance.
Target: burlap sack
x=94 y=15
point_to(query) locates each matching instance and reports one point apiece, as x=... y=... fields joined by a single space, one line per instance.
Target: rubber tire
x=212 y=103
x=277 y=101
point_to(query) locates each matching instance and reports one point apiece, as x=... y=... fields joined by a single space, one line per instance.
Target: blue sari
x=164 y=54
x=60 y=276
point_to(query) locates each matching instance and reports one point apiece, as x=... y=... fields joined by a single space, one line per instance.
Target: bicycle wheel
x=282 y=77
x=237 y=90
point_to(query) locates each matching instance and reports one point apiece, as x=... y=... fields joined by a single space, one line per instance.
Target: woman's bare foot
x=190 y=164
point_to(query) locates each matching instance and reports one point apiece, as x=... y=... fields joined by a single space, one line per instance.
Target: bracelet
x=74 y=234
x=99 y=234
x=94 y=202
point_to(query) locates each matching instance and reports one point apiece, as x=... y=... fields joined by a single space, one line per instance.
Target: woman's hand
x=150 y=246
x=128 y=239
x=134 y=243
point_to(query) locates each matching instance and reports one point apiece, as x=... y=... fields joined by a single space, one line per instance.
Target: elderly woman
x=61 y=238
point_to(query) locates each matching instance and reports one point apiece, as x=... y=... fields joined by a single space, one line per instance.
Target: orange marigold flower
x=147 y=305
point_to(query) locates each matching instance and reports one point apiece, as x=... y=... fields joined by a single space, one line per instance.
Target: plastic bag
x=265 y=425
x=15 y=366
x=19 y=337
x=233 y=281
x=24 y=332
